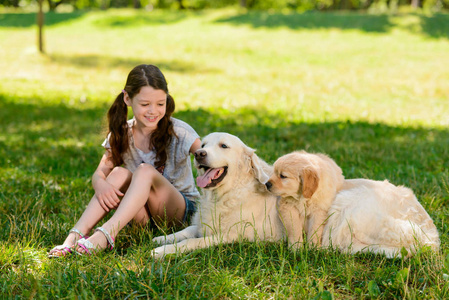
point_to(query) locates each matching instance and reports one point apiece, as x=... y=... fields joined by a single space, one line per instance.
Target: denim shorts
x=190 y=209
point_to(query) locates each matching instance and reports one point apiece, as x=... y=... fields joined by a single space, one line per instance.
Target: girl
x=156 y=179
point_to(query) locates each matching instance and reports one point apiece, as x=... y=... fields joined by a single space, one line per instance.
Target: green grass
x=372 y=91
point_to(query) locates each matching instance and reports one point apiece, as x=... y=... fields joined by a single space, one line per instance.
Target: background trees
x=249 y=4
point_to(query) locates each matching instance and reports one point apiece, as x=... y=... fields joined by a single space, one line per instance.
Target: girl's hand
x=107 y=195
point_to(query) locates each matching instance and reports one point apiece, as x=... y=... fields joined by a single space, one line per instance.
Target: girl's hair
x=140 y=76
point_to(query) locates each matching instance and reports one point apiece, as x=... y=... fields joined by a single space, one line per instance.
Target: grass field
x=372 y=91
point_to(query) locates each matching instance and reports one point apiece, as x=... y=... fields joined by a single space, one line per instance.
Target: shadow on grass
x=436 y=26
x=110 y=62
x=29 y=19
x=48 y=153
x=38 y=137
x=312 y=20
x=112 y=19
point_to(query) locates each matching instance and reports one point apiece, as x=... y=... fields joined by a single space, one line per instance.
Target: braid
x=161 y=138
x=118 y=128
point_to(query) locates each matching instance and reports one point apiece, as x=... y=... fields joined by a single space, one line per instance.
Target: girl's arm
x=195 y=146
x=106 y=194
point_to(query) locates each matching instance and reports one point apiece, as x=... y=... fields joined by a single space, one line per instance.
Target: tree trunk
x=51 y=5
x=415 y=3
x=104 y=4
x=40 y=26
x=181 y=5
x=367 y=4
x=137 y=4
x=243 y=3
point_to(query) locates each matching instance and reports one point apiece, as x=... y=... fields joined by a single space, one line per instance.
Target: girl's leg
x=120 y=178
x=148 y=193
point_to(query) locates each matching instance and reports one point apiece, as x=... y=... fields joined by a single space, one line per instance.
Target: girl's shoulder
x=181 y=127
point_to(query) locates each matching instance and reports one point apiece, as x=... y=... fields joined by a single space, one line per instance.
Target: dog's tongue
x=207 y=178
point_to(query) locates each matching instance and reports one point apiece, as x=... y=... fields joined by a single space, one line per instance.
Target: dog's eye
x=224 y=146
x=282 y=176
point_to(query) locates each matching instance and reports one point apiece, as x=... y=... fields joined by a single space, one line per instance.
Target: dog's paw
x=158 y=253
x=162 y=251
x=163 y=239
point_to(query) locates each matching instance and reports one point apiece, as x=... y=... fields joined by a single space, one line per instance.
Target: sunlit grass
x=370 y=90
x=222 y=58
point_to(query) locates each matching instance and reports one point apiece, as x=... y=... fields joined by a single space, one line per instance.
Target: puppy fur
x=307 y=184
x=363 y=215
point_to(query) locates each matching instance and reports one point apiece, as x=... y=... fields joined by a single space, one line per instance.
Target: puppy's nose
x=268 y=185
x=200 y=153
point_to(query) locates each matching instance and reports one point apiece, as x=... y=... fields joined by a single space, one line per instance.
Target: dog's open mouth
x=211 y=177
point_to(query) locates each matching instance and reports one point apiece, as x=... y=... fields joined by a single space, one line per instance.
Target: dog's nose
x=268 y=185
x=200 y=153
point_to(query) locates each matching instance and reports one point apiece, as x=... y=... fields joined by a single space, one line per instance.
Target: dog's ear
x=310 y=180
x=259 y=167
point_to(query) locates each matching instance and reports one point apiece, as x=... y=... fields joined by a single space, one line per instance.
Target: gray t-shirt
x=178 y=167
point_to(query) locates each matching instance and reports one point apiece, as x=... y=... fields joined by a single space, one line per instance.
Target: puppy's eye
x=282 y=176
x=224 y=146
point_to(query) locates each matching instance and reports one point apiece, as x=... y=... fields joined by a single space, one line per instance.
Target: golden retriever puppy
x=364 y=215
x=307 y=184
x=234 y=205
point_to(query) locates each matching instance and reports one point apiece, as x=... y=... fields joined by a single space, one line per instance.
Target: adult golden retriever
x=355 y=215
x=234 y=205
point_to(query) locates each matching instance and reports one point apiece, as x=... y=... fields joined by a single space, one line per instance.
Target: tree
x=181 y=4
x=137 y=4
x=40 y=26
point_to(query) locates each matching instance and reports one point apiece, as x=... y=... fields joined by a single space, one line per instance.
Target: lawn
x=370 y=90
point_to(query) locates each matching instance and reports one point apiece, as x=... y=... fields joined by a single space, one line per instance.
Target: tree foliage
x=249 y=4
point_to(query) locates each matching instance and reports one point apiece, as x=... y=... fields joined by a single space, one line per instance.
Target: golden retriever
x=355 y=215
x=307 y=184
x=234 y=205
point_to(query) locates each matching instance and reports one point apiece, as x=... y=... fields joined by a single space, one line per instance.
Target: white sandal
x=90 y=248
x=64 y=248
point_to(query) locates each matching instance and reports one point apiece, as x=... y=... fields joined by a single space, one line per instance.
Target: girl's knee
x=119 y=172
x=119 y=176
x=146 y=170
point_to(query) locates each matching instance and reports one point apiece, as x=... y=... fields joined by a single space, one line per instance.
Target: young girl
x=156 y=179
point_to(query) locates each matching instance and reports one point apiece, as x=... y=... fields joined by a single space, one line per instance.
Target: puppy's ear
x=310 y=180
x=259 y=167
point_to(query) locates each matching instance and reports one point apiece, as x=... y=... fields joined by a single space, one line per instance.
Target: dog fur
x=235 y=204
x=362 y=215
x=307 y=184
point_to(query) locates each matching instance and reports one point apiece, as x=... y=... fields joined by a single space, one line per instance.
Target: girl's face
x=149 y=107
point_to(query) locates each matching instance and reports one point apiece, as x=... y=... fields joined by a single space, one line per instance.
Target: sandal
x=90 y=248
x=65 y=249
